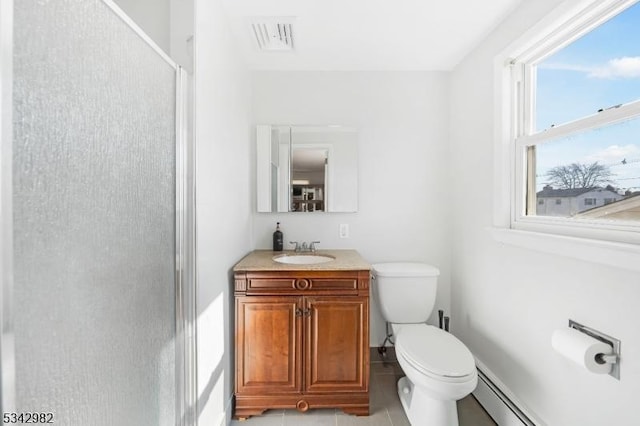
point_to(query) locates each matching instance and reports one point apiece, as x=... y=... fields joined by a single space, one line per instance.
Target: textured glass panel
x=94 y=218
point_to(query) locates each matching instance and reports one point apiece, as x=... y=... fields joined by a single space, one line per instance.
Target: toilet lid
x=434 y=351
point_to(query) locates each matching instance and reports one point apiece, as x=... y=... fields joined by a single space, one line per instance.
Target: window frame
x=515 y=131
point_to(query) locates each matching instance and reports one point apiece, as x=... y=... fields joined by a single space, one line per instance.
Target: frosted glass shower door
x=94 y=218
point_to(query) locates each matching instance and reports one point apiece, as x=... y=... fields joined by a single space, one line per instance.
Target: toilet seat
x=435 y=353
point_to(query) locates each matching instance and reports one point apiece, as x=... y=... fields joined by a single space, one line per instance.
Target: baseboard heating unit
x=499 y=406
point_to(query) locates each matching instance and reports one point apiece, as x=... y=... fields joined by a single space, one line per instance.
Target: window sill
x=618 y=255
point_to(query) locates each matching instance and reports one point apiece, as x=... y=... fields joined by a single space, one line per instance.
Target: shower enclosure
x=97 y=223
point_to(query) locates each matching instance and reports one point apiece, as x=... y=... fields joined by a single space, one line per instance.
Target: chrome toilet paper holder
x=613 y=358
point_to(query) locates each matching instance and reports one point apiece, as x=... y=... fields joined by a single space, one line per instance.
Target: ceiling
x=368 y=34
x=308 y=159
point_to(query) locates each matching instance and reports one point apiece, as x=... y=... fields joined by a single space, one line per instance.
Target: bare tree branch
x=577 y=175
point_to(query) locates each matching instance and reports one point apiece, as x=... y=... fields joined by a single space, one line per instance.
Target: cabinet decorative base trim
x=247 y=406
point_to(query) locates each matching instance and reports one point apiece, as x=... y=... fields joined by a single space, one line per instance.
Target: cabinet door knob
x=303 y=312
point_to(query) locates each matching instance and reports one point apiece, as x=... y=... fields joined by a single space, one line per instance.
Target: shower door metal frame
x=7 y=358
x=185 y=244
x=186 y=313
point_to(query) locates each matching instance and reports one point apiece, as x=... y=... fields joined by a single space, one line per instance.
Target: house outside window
x=575 y=108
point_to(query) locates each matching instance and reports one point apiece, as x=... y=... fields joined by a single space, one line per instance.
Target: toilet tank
x=406 y=291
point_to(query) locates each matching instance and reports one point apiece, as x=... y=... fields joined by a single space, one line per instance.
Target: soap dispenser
x=278 y=238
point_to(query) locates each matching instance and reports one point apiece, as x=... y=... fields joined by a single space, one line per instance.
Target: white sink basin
x=303 y=259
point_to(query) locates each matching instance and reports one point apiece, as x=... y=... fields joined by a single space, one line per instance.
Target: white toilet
x=440 y=368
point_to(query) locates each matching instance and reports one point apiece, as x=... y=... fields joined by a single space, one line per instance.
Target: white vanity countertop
x=262 y=260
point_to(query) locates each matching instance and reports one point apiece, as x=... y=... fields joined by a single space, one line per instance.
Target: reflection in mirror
x=308 y=178
x=306 y=169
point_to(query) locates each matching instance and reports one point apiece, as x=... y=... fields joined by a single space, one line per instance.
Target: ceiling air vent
x=273 y=33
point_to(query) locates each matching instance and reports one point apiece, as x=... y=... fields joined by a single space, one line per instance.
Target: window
x=575 y=108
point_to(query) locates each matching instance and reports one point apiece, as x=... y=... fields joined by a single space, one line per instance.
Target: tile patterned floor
x=385 y=408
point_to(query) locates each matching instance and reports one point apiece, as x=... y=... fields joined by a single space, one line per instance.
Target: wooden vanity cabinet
x=302 y=341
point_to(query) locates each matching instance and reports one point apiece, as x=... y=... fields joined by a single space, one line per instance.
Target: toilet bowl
x=439 y=368
x=439 y=371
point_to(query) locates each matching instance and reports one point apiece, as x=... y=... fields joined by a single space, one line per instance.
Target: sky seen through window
x=598 y=71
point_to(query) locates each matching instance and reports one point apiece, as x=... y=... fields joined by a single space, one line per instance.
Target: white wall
x=152 y=16
x=181 y=31
x=403 y=156
x=169 y=23
x=222 y=130
x=508 y=300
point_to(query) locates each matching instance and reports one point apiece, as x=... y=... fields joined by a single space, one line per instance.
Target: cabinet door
x=336 y=344
x=268 y=344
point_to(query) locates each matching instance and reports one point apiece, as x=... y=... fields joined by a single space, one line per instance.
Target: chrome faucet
x=304 y=247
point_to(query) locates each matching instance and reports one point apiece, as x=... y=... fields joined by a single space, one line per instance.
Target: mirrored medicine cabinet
x=306 y=169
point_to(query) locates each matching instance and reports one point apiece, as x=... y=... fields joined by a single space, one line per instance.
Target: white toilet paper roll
x=582 y=349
